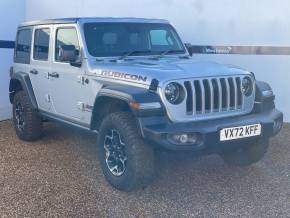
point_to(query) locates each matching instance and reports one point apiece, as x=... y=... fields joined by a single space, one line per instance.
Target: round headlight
x=174 y=93
x=247 y=86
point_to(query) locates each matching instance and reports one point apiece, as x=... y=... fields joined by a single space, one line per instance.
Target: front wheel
x=126 y=160
x=247 y=154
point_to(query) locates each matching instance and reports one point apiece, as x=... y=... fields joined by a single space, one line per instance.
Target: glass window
x=110 y=38
x=41 y=44
x=160 y=37
x=114 y=39
x=66 y=36
x=23 y=46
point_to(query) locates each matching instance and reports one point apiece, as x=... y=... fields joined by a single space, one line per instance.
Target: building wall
x=12 y=13
x=201 y=22
x=239 y=22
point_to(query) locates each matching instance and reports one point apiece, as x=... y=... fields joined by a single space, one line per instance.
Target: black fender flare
x=127 y=94
x=24 y=80
x=260 y=87
x=113 y=92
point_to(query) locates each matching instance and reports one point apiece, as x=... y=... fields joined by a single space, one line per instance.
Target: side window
x=66 y=36
x=41 y=44
x=23 y=46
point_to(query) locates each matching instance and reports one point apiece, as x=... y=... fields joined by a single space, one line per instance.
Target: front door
x=66 y=87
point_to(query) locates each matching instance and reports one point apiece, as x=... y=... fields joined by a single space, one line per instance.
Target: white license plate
x=240 y=132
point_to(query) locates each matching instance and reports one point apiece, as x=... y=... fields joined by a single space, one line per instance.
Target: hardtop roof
x=92 y=19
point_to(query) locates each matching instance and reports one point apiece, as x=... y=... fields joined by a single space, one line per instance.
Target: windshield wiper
x=100 y=59
x=129 y=53
x=184 y=56
x=163 y=53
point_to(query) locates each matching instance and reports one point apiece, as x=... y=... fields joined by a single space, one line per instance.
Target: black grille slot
x=198 y=96
x=216 y=94
x=232 y=92
x=207 y=94
x=240 y=94
x=224 y=93
x=189 y=99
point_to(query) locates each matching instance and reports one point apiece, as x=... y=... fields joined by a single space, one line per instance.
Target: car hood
x=142 y=71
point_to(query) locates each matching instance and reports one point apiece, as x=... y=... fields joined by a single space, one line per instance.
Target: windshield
x=117 y=39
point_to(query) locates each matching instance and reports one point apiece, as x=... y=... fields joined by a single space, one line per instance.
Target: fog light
x=183 y=138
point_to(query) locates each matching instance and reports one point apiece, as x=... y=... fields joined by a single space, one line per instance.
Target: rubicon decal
x=125 y=76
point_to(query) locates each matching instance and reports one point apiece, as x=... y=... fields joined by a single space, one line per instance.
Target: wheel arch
x=21 y=81
x=108 y=102
x=14 y=86
x=122 y=97
x=262 y=87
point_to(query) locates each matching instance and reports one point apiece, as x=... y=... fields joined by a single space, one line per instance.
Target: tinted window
x=41 y=44
x=114 y=39
x=23 y=46
x=66 y=36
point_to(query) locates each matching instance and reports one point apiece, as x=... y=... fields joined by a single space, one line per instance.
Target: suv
x=134 y=83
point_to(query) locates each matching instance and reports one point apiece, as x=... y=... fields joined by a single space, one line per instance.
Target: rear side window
x=66 y=36
x=23 y=46
x=41 y=44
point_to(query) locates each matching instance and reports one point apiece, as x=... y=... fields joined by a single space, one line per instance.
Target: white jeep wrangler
x=134 y=83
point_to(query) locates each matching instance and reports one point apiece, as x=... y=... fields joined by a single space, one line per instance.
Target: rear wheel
x=126 y=160
x=247 y=154
x=26 y=120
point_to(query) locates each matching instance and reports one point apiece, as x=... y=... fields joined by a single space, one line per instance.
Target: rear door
x=40 y=65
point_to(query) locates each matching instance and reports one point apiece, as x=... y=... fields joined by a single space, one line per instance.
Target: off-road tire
x=247 y=154
x=32 y=128
x=140 y=156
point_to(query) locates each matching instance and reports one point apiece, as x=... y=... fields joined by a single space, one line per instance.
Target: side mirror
x=189 y=48
x=68 y=53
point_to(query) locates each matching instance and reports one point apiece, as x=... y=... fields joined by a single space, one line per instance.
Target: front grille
x=213 y=95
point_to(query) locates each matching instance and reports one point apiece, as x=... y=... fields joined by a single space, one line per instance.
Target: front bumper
x=157 y=129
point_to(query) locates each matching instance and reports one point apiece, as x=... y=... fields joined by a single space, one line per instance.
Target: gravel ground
x=59 y=176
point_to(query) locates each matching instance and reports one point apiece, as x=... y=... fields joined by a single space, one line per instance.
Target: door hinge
x=84 y=107
x=81 y=106
x=47 y=98
x=83 y=80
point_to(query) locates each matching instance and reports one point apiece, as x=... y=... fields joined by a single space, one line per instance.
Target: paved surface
x=60 y=176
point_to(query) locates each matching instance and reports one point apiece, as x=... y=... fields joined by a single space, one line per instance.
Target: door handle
x=34 y=71
x=54 y=75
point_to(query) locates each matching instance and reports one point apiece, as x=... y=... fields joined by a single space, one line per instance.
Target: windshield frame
x=88 y=55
